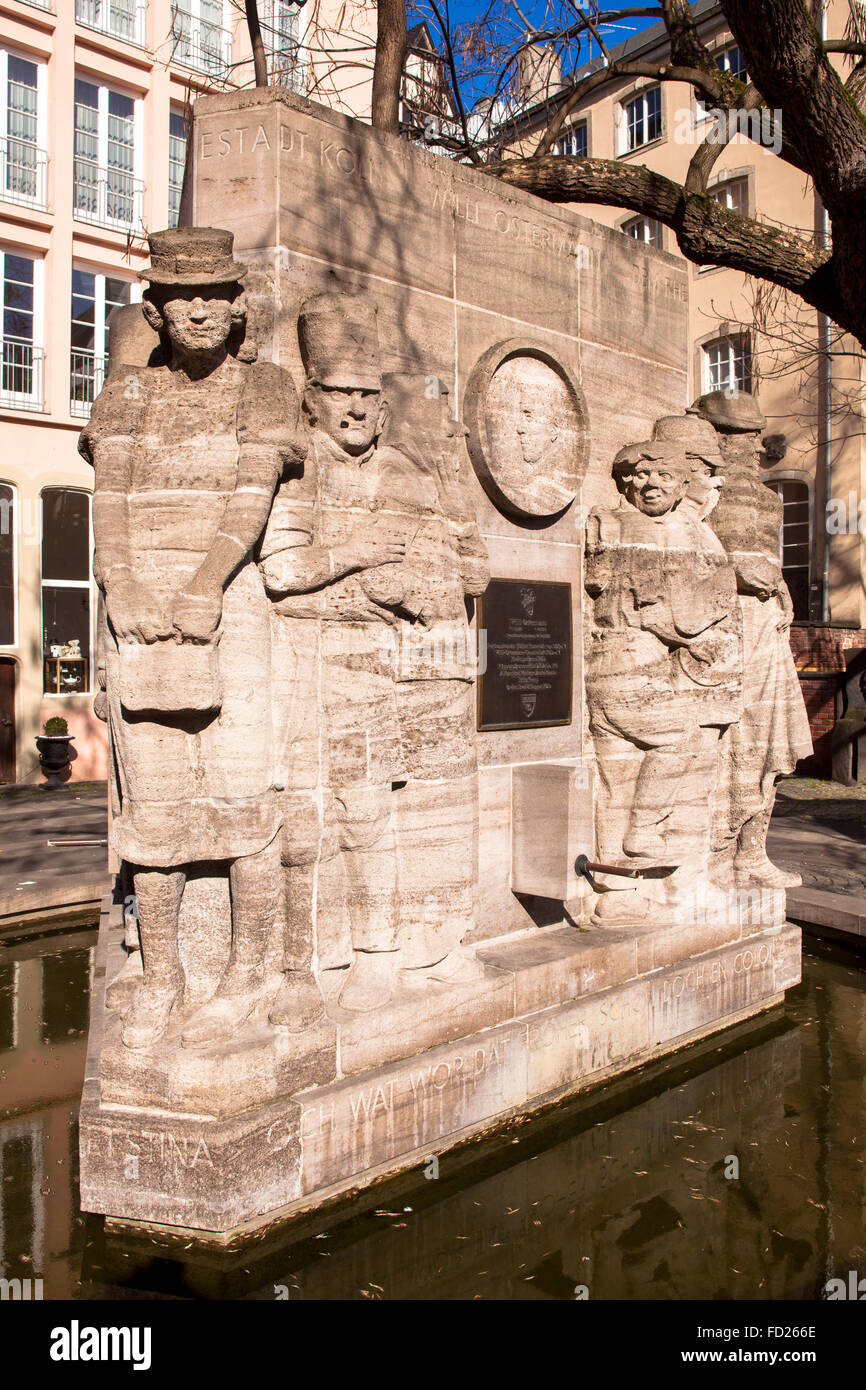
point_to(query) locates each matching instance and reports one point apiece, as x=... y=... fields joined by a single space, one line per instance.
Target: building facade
x=95 y=95
x=808 y=377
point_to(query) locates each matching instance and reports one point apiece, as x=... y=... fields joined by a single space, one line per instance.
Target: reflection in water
x=734 y=1170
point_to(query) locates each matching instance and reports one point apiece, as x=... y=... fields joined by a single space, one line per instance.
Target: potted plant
x=53 y=744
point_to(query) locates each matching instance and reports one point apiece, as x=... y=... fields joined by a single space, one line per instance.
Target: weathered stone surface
x=773 y=733
x=551 y=826
x=354 y=886
x=216 y=1174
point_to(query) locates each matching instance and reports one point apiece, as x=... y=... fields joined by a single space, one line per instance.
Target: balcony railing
x=122 y=19
x=199 y=45
x=21 y=374
x=287 y=69
x=23 y=173
x=107 y=197
x=86 y=375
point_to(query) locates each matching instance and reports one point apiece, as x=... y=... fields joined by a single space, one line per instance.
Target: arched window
x=728 y=363
x=794 y=541
x=66 y=591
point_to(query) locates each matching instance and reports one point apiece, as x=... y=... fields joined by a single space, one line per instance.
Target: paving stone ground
x=35 y=874
x=819 y=828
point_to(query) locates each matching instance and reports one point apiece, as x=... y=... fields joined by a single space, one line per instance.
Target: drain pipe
x=825 y=383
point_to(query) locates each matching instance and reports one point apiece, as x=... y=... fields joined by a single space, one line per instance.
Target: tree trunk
x=260 y=61
x=391 y=46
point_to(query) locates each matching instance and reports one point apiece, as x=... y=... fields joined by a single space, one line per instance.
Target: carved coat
x=195 y=783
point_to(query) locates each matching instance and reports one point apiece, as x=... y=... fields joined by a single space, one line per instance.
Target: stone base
x=270 y=1123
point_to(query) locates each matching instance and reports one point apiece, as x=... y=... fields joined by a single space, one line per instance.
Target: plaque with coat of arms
x=525 y=654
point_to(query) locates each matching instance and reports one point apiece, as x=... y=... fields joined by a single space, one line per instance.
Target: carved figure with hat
x=186 y=466
x=325 y=533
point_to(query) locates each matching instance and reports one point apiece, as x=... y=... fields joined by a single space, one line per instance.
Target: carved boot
x=221 y=1016
x=126 y=984
x=370 y=981
x=159 y=893
x=456 y=969
x=147 y=1018
x=644 y=842
x=751 y=864
x=299 y=1003
x=617 y=909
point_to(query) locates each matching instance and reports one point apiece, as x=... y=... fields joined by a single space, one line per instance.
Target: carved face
x=536 y=430
x=657 y=484
x=348 y=415
x=704 y=484
x=198 y=318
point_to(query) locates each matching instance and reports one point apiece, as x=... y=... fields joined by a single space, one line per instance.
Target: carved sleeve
x=108 y=443
x=267 y=444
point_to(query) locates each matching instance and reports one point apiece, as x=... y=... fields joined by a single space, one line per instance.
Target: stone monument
x=398 y=863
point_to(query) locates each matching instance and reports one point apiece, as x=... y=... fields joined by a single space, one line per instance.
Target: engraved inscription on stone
x=526 y=627
x=527 y=429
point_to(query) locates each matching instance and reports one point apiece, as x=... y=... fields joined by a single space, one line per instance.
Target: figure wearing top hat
x=338 y=734
x=187 y=456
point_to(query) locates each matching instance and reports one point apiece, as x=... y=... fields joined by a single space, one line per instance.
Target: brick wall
x=821 y=667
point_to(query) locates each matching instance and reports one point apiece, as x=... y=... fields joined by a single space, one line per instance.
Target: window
x=730 y=60
x=643 y=118
x=645 y=229
x=105 y=189
x=733 y=194
x=7 y=565
x=21 y=382
x=176 y=162
x=794 y=541
x=94 y=297
x=124 y=19
x=22 y=132
x=279 y=24
x=200 y=37
x=573 y=141
x=728 y=363
x=66 y=591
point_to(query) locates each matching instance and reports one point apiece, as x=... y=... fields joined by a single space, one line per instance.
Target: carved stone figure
x=773 y=733
x=187 y=456
x=423 y=481
x=663 y=675
x=338 y=733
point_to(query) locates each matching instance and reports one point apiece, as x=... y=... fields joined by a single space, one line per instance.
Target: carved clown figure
x=663 y=669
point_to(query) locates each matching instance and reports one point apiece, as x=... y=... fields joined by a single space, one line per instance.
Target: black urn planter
x=54 y=756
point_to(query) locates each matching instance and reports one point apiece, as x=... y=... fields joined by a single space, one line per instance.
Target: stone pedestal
x=557 y=1010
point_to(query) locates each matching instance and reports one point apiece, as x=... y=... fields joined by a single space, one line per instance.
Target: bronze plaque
x=524 y=635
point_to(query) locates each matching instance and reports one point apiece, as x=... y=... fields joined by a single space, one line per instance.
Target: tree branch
x=707 y=233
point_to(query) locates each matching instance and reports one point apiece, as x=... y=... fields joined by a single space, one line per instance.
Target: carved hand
x=131 y=612
x=196 y=613
x=365 y=549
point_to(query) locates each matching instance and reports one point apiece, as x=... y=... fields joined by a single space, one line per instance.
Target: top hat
x=697 y=436
x=731 y=412
x=192 y=256
x=339 y=341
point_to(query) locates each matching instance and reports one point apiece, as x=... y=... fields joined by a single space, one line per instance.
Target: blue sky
x=539 y=12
